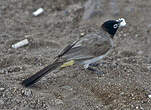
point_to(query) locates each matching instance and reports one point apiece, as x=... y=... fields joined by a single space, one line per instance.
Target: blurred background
x=126 y=84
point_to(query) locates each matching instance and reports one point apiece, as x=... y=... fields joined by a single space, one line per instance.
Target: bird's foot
x=96 y=71
x=94 y=64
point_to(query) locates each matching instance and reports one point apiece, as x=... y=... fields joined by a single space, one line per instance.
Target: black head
x=111 y=26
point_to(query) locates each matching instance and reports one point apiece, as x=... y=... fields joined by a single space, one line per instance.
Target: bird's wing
x=88 y=47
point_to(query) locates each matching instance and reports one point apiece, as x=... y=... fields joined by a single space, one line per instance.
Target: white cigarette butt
x=20 y=44
x=38 y=12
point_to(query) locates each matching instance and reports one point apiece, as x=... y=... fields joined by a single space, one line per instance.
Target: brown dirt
x=126 y=83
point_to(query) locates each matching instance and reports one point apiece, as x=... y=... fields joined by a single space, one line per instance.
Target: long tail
x=34 y=78
x=37 y=76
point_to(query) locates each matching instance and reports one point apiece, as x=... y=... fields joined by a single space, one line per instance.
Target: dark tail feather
x=34 y=78
x=37 y=76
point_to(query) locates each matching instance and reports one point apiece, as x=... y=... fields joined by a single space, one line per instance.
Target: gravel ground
x=126 y=84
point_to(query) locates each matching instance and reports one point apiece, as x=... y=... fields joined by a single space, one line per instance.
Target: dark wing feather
x=90 y=46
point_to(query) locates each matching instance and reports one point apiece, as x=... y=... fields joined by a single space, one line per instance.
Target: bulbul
x=85 y=51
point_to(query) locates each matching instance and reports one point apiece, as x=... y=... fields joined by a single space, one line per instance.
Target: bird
x=85 y=51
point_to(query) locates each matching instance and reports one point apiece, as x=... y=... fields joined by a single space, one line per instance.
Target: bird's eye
x=115 y=26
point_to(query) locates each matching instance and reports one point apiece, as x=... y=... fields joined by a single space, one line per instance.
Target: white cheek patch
x=123 y=22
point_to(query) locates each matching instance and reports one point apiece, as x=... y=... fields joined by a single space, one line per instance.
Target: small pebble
x=3 y=71
x=118 y=59
x=2 y=89
x=26 y=92
x=140 y=52
x=124 y=35
x=136 y=35
x=149 y=96
x=141 y=108
x=82 y=34
x=58 y=101
x=149 y=67
x=122 y=93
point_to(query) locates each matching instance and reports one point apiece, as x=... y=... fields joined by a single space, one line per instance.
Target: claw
x=98 y=72
x=94 y=64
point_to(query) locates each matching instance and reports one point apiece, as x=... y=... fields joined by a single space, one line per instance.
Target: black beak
x=119 y=21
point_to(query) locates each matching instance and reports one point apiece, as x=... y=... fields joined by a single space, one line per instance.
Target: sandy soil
x=126 y=83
